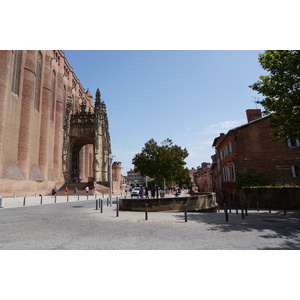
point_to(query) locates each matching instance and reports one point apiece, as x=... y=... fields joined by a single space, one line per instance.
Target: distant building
x=201 y=178
x=250 y=147
x=134 y=177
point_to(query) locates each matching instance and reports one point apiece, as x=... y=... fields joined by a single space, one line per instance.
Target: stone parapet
x=201 y=202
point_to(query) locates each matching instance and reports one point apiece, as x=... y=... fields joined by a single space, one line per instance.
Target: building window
x=38 y=82
x=229 y=147
x=16 y=72
x=295 y=171
x=228 y=173
x=53 y=84
x=293 y=143
x=226 y=150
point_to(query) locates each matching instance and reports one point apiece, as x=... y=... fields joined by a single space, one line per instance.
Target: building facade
x=202 y=178
x=51 y=132
x=250 y=148
x=135 y=178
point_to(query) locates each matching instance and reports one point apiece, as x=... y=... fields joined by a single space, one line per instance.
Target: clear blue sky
x=187 y=96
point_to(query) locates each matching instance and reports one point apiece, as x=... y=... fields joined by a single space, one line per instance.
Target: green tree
x=281 y=88
x=252 y=178
x=161 y=162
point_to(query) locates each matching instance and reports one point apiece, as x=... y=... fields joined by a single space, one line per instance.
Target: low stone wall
x=277 y=198
x=201 y=202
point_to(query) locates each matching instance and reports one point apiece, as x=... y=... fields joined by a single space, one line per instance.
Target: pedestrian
x=75 y=191
x=87 y=189
x=66 y=191
x=141 y=192
x=54 y=191
x=94 y=190
x=152 y=191
x=146 y=192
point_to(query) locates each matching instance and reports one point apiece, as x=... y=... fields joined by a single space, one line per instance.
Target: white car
x=135 y=191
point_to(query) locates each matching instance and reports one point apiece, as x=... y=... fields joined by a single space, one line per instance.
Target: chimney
x=253 y=114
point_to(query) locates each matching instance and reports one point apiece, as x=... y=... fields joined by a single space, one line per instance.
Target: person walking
x=152 y=191
x=141 y=192
x=54 y=191
x=75 y=191
x=147 y=192
x=87 y=189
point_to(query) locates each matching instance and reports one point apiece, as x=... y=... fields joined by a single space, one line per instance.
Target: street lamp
x=110 y=177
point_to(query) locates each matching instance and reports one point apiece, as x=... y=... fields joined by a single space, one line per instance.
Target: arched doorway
x=82 y=159
x=86 y=142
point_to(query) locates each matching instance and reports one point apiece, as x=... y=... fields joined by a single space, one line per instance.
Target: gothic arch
x=86 y=128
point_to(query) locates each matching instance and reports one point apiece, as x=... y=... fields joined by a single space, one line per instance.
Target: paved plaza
x=77 y=224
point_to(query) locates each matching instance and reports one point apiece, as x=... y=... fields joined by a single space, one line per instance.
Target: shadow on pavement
x=273 y=225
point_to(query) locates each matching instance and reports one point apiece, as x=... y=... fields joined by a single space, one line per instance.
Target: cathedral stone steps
x=81 y=188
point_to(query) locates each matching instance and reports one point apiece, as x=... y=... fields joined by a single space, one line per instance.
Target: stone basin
x=200 y=202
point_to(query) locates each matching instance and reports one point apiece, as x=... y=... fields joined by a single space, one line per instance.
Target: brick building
x=50 y=130
x=250 y=147
x=134 y=177
x=201 y=177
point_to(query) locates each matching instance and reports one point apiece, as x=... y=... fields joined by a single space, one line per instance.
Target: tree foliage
x=281 y=88
x=162 y=162
x=252 y=178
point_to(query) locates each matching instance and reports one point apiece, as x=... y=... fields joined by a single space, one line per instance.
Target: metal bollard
x=24 y=200
x=185 y=213
x=257 y=206
x=226 y=212
x=101 y=206
x=41 y=199
x=269 y=207
x=107 y=201
x=246 y=211
x=237 y=210
x=284 y=207
x=55 y=199
x=117 y=213
x=146 y=212
x=67 y=198
x=229 y=207
x=78 y=198
x=96 y=204
x=1 y=202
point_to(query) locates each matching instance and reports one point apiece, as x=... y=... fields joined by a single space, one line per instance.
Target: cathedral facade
x=51 y=129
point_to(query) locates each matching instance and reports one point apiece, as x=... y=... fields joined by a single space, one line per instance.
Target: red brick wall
x=255 y=150
x=30 y=142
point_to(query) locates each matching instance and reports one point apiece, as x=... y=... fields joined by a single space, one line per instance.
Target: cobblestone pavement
x=78 y=225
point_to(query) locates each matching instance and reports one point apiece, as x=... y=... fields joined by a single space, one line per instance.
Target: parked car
x=135 y=192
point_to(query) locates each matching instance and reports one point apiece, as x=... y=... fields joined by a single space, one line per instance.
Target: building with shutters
x=250 y=148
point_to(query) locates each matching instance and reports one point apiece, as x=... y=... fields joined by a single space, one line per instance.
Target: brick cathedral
x=52 y=131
